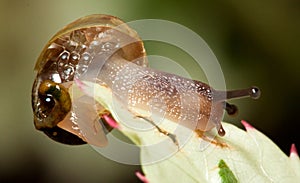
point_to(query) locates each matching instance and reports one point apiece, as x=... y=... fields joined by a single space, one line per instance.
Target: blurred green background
x=256 y=42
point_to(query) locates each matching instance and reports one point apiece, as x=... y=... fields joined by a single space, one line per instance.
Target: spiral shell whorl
x=68 y=55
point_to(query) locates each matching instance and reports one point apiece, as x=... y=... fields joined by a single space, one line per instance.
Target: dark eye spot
x=47 y=103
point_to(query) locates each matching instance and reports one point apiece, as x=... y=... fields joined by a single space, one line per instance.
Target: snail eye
x=47 y=103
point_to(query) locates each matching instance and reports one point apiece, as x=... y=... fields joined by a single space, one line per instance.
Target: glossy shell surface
x=68 y=55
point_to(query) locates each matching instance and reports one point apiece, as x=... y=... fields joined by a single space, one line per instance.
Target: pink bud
x=247 y=125
x=111 y=122
x=293 y=150
x=79 y=83
x=141 y=177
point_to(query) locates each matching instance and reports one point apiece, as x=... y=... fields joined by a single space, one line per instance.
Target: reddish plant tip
x=79 y=83
x=111 y=122
x=141 y=177
x=247 y=125
x=293 y=150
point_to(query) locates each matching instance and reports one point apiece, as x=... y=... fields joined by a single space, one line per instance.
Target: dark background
x=256 y=42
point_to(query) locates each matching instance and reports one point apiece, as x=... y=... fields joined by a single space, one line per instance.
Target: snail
x=104 y=49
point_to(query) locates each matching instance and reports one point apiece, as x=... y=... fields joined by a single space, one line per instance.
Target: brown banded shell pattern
x=68 y=55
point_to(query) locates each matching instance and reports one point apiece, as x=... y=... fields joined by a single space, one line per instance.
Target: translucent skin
x=179 y=99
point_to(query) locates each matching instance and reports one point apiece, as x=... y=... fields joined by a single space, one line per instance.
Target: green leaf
x=239 y=156
x=225 y=173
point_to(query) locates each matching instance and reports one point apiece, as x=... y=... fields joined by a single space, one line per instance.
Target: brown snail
x=104 y=48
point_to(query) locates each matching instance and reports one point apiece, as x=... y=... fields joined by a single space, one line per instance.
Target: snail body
x=104 y=49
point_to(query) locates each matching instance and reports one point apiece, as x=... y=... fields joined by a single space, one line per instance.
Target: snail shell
x=59 y=61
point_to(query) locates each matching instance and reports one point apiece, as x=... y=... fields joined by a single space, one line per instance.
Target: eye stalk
x=253 y=92
x=222 y=96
